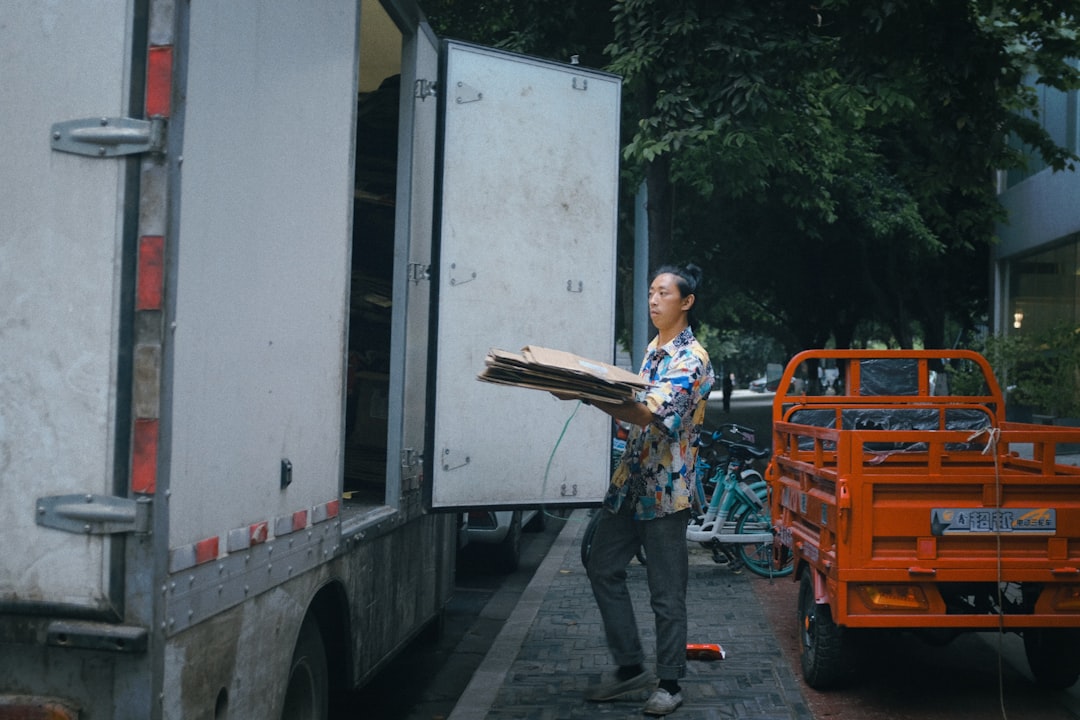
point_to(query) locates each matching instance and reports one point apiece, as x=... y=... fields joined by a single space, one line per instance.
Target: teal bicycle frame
x=739 y=490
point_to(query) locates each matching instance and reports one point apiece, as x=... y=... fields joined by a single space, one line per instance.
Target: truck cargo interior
x=373 y=236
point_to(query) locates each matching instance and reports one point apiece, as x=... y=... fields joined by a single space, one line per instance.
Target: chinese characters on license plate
x=1027 y=521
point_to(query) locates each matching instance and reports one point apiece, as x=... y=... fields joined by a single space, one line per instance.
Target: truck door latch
x=108 y=137
x=94 y=514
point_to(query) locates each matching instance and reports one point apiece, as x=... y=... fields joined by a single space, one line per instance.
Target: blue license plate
x=972 y=521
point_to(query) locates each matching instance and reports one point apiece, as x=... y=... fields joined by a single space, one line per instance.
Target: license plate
x=972 y=521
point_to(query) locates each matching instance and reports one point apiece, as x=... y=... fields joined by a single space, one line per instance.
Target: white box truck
x=252 y=257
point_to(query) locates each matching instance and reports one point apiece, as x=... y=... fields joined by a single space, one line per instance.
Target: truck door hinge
x=411 y=469
x=425 y=88
x=410 y=458
x=419 y=271
x=94 y=514
x=108 y=137
x=466 y=93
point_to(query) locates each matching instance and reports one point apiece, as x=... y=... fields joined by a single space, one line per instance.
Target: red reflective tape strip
x=159 y=64
x=332 y=508
x=258 y=532
x=299 y=520
x=150 y=279
x=206 y=550
x=144 y=456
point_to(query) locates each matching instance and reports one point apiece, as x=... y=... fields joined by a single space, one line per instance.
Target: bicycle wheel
x=758 y=556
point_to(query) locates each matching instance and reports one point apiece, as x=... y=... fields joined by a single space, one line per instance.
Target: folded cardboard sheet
x=543 y=368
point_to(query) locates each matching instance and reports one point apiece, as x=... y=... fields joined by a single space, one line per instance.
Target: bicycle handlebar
x=744 y=450
x=742 y=433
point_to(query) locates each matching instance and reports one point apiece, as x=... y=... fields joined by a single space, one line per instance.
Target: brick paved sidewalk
x=552 y=647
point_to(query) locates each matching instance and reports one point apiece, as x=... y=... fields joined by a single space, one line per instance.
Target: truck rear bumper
x=987 y=605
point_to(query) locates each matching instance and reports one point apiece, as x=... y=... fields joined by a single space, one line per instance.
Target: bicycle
x=733 y=519
x=735 y=523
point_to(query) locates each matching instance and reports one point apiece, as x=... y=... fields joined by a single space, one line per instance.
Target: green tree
x=831 y=164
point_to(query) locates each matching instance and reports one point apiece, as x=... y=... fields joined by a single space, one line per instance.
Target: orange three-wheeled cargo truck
x=910 y=507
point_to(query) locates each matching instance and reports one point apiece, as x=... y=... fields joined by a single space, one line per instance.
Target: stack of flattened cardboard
x=563 y=372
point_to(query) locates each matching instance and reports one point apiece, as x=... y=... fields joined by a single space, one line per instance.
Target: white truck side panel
x=61 y=237
x=527 y=257
x=262 y=263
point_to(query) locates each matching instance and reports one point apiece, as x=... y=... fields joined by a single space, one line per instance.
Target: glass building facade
x=1037 y=262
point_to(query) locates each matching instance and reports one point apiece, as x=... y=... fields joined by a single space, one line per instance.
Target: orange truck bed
x=908 y=507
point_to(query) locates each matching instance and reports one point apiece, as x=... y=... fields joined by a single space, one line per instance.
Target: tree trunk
x=658 y=183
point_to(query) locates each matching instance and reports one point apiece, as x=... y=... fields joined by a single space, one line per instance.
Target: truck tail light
x=482 y=519
x=894 y=597
x=1067 y=598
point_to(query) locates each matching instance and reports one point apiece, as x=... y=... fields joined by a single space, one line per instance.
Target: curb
x=479 y=696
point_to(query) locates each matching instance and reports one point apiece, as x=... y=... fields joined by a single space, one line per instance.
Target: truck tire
x=307 y=692
x=824 y=655
x=1053 y=656
x=758 y=557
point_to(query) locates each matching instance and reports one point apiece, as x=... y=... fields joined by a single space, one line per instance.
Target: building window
x=1043 y=288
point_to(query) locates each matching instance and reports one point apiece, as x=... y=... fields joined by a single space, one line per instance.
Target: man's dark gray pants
x=615 y=543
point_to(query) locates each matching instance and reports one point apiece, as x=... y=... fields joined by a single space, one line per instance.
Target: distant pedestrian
x=648 y=501
x=729 y=387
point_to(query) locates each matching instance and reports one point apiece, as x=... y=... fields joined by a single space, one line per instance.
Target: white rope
x=993 y=434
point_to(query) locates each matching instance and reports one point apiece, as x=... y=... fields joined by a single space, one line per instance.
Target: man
x=648 y=500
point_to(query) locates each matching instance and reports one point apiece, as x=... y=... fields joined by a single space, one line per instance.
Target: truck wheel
x=823 y=656
x=1053 y=656
x=758 y=557
x=306 y=696
x=508 y=552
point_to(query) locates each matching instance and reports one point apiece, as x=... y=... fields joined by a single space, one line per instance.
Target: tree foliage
x=832 y=164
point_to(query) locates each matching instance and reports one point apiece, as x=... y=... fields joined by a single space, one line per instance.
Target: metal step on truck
x=252 y=257
x=911 y=508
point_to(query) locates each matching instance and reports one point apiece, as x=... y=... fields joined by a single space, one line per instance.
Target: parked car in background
x=770 y=380
x=501 y=531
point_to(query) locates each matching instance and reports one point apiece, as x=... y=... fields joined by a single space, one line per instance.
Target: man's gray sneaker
x=661 y=702
x=612 y=688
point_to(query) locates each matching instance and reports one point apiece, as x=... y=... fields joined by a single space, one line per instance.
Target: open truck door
x=525 y=255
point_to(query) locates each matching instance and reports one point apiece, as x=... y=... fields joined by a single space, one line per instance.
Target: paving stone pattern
x=563 y=651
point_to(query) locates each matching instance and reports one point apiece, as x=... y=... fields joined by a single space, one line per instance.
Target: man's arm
x=629 y=411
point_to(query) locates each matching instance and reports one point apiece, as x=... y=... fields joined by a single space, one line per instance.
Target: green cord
x=551 y=457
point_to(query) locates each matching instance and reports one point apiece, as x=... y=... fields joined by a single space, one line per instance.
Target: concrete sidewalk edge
x=479 y=696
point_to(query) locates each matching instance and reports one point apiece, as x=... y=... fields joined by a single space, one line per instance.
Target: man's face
x=666 y=306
